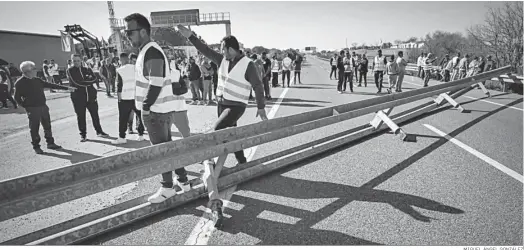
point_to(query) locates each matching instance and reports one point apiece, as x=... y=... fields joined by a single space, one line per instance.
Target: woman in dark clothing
x=298 y=68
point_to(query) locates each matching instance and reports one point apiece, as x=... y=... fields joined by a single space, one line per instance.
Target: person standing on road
x=297 y=66
x=84 y=97
x=54 y=72
x=105 y=75
x=355 y=66
x=47 y=75
x=30 y=95
x=207 y=73
x=463 y=66
x=363 y=69
x=401 y=70
x=237 y=76
x=455 y=63
x=349 y=68
x=419 y=65
x=443 y=65
x=276 y=67
x=126 y=85
x=473 y=67
x=340 y=68
x=333 y=63
x=481 y=65
x=428 y=64
x=267 y=76
x=194 y=79
x=392 y=70
x=379 y=66
x=286 y=70
x=160 y=108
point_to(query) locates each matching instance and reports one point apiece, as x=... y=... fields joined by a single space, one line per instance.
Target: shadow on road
x=130 y=143
x=73 y=157
x=12 y=110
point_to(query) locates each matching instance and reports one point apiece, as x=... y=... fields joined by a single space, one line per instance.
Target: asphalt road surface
x=460 y=183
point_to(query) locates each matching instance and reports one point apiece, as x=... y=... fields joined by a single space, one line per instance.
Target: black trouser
x=420 y=72
x=228 y=115
x=446 y=75
x=333 y=70
x=125 y=107
x=57 y=79
x=98 y=79
x=5 y=93
x=340 y=79
x=297 y=74
x=363 y=74
x=355 y=73
x=80 y=110
x=112 y=83
x=215 y=83
x=36 y=116
x=284 y=74
x=266 y=86
x=348 y=77
x=275 y=79
x=379 y=77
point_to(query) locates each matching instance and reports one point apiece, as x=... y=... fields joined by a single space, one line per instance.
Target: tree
x=354 y=45
x=411 y=40
x=168 y=36
x=397 y=42
x=259 y=49
x=501 y=34
x=440 y=43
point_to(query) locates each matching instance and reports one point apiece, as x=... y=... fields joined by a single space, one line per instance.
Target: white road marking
x=474 y=98
x=204 y=228
x=478 y=154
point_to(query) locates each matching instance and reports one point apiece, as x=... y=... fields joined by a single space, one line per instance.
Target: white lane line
x=204 y=228
x=478 y=154
x=475 y=98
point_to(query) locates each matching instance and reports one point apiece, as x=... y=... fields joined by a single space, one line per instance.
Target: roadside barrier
x=31 y=193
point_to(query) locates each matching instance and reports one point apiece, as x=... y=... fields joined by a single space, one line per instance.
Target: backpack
x=178 y=83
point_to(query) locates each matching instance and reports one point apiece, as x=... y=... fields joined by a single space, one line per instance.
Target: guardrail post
x=445 y=96
x=481 y=85
x=383 y=117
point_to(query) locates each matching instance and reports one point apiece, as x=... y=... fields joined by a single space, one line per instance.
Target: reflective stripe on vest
x=427 y=66
x=379 y=64
x=53 y=69
x=233 y=86
x=275 y=66
x=127 y=73
x=334 y=61
x=166 y=101
x=348 y=64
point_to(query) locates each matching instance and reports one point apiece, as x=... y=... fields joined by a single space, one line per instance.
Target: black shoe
x=389 y=91
x=216 y=212
x=39 y=151
x=102 y=134
x=53 y=146
x=83 y=139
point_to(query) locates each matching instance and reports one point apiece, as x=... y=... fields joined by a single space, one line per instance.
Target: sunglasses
x=130 y=32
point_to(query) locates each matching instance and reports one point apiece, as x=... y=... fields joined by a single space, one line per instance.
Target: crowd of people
x=355 y=66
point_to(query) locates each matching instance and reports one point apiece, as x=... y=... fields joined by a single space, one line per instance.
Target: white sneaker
x=162 y=194
x=192 y=103
x=184 y=186
x=141 y=138
x=119 y=141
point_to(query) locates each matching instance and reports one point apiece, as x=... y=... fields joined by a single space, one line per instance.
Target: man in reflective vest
x=54 y=72
x=236 y=76
x=379 y=66
x=349 y=63
x=333 y=62
x=154 y=96
x=126 y=84
x=428 y=64
x=286 y=70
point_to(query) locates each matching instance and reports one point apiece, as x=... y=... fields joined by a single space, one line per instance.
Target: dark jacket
x=30 y=91
x=194 y=72
x=82 y=79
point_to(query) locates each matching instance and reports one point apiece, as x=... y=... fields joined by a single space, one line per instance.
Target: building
x=16 y=47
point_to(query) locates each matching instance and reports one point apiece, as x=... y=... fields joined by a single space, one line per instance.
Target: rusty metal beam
x=234 y=177
x=137 y=168
x=73 y=237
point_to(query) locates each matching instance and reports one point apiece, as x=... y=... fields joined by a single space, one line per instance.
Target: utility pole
x=115 y=28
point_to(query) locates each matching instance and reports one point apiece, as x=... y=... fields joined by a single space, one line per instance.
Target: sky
x=325 y=25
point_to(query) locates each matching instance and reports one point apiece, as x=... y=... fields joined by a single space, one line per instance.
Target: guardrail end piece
x=407 y=137
x=439 y=100
x=377 y=120
x=384 y=118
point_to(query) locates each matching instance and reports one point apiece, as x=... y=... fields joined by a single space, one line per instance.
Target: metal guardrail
x=34 y=192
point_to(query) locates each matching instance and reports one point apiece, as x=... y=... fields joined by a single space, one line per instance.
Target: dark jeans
x=98 y=79
x=228 y=115
x=333 y=70
x=80 y=110
x=379 y=78
x=348 y=77
x=420 y=72
x=112 y=84
x=125 y=107
x=275 y=79
x=427 y=76
x=36 y=116
x=195 y=90
x=297 y=74
x=284 y=74
x=340 y=79
x=363 y=74
x=159 y=128
x=446 y=75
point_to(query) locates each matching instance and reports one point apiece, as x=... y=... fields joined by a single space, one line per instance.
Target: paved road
x=377 y=191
